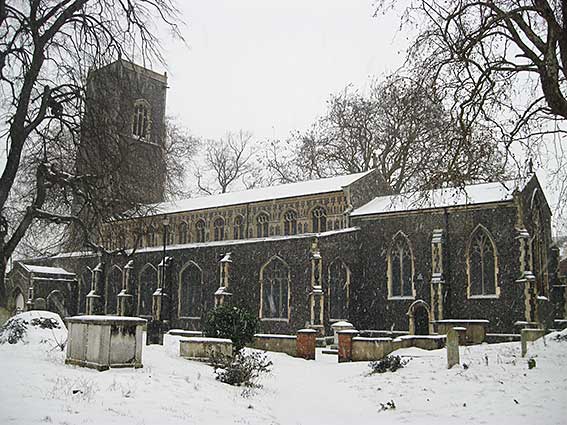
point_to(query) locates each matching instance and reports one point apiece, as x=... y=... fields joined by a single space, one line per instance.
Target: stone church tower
x=122 y=140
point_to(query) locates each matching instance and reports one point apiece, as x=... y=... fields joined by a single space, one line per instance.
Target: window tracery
x=482 y=264
x=400 y=268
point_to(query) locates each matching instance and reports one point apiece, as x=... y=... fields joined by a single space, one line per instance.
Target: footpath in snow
x=495 y=387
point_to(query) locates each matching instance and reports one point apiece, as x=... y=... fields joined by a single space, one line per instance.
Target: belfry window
x=141 y=119
x=290 y=223
x=319 y=216
x=482 y=264
x=400 y=268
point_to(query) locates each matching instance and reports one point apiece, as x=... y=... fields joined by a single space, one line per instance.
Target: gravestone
x=452 y=348
x=530 y=335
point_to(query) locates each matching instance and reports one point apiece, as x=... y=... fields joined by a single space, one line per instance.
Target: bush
x=388 y=363
x=243 y=369
x=13 y=331
x=234 y=323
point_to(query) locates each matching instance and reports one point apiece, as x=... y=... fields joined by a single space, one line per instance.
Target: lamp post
x=160 y=305
x=163 y=269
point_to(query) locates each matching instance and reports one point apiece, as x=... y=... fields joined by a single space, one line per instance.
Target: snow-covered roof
x=438 y=198
x=310 y=187
x=45 y=269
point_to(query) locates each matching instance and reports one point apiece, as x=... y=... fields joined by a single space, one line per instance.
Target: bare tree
x=180 y=148
x=228 y=160
x=502 y=64
x=401 y=128
x=46 y=50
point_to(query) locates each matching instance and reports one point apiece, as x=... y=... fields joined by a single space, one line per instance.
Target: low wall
x=358 y=349
x=278 y=343
x=425 y=342
x=202 y=349
x=368 y=349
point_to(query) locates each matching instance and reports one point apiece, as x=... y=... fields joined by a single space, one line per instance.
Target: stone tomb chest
x=102 y=342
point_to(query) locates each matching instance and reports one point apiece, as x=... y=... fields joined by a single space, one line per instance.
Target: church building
x=312 y=253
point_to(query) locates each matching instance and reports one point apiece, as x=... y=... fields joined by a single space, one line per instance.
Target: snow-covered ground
x=496 y=388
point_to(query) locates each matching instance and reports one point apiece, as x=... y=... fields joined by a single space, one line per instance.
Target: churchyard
x=492 y=383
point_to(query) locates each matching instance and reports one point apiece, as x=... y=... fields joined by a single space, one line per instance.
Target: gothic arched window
x=200 y=230
x=218 y=227
x=400 y=268
x=190 y=290
x=319 y=216
x=338 y=290
x=262 y=225
x=238 y=227
x=147 y=284
x=482 y=264
x=183 y=233
x=274 y=290
x=141 y=119
x=290 y=223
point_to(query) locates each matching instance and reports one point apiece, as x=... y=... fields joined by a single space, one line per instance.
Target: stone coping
x=106 y=320
x=367 y=339
x=422 y=337
x=182 y=332
x=348 y=331
x=443 y=321
x=307 y=331
x=278 y=336
x=197 y=339
x=342 y=323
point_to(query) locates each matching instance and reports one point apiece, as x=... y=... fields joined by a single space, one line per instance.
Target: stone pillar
x=316 y=296
x=306 y=341
x=452 y=348
x=345 y=345
x=527 y=278
x=125 y=297
x=223 y=294
x=340 y=326
x=160 y=298
x=437 y=278
x=95 y=301
x=530 y=335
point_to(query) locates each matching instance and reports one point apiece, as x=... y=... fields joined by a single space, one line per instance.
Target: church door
x=421 y=318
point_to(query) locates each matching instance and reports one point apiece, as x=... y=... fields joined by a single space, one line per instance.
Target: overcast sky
x=269 y=66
